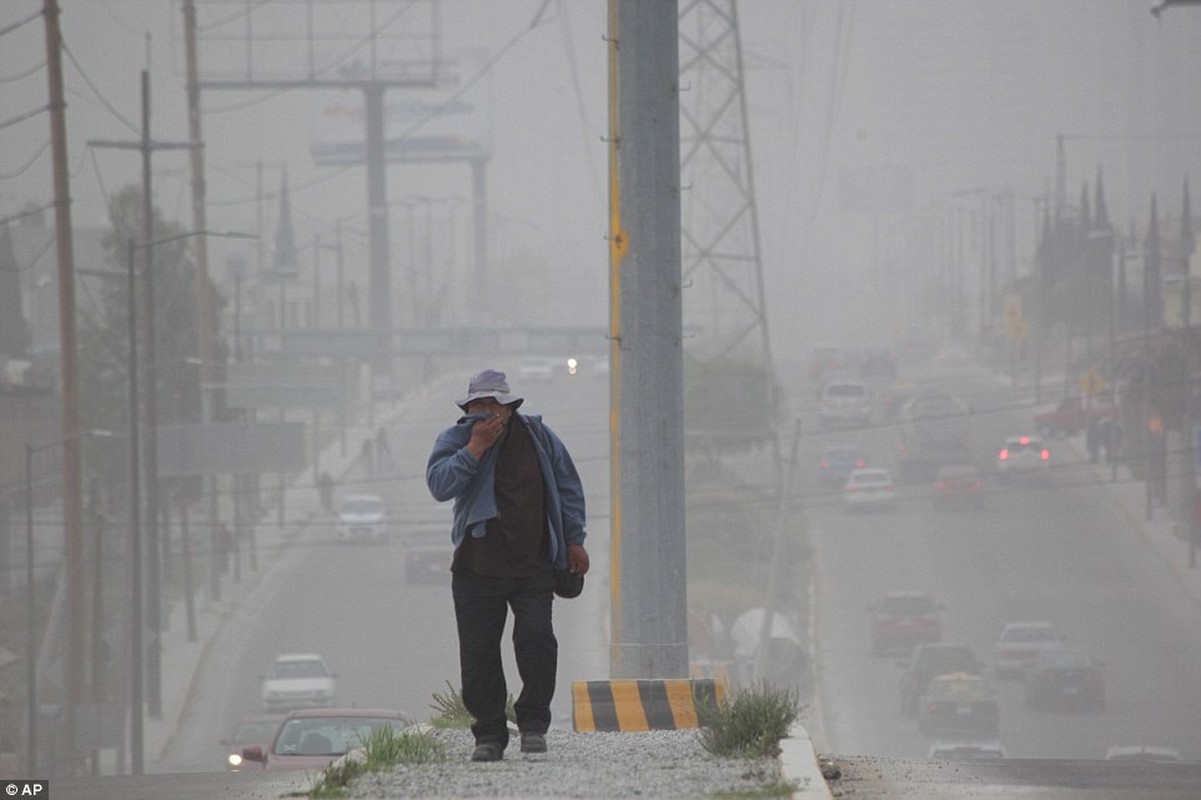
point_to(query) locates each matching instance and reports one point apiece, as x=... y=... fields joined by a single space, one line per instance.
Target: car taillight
x=1046 y=454
x=1025 y=440
x=1004 y=454
x=941 y=486
x=825 y=465
x=861 y=463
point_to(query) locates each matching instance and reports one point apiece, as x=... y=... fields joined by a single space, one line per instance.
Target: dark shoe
x=488 y=751
x=533 y=742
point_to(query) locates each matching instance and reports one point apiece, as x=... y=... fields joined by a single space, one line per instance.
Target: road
x=1058 y=549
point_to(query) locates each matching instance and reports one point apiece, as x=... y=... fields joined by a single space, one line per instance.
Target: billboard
x=450 y=122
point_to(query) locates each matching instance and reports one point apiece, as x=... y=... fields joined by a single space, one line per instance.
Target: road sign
x=1011 y=307
x=1016 y=329
x=1092 y=383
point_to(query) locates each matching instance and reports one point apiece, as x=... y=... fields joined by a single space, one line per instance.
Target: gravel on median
x=654 y=764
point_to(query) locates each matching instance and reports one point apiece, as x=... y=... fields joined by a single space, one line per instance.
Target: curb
x=799 y=765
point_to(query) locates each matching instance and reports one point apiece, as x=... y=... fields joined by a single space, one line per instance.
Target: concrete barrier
x=642 y=705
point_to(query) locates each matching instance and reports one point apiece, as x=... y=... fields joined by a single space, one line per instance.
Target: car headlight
x=235 y=760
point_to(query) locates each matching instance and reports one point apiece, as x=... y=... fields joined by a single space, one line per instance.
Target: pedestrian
x=383 y=451
x=325 y=488
x=1092 y=439
x=225 y=545
x=367 y=456
x=518 y=516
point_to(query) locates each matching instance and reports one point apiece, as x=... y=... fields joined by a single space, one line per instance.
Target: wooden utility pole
x=72 y=490
x=204 y=302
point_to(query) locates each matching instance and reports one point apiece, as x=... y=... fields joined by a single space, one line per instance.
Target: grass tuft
x=383 y=749
x=450 y=712
x=751 y=723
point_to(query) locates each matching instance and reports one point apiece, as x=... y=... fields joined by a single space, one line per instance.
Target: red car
x=901 y=620
x=313 y=738
x=253 y=729
x=962 y=485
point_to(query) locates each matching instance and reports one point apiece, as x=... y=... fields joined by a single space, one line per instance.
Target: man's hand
x=577 y=559
x=484 y=434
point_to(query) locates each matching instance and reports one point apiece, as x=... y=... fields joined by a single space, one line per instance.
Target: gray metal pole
x=650 y=637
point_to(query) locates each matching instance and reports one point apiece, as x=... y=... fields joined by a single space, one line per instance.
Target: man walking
x=518 y=516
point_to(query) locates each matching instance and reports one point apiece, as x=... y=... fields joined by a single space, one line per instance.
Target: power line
x=99 y=95
x=21 y=170
x=22 y=75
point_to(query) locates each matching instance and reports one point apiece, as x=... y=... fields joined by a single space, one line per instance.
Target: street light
x=154 y=656
x=30 y=618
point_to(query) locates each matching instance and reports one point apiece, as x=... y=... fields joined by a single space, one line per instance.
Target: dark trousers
x=481 y=609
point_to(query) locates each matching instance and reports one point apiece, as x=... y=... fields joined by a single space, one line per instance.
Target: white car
x=1022 y=455
x=298 y=680
x=537 y=370
x=1143 y=753
x=869 y=488
x=845 y=402
x=362 y=518
x=1018 y=647
x=967 y=751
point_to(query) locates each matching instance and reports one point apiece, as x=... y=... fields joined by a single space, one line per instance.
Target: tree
x=104 y=326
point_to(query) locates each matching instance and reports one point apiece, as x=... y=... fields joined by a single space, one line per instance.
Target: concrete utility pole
x=72 y=484
x=649 y=630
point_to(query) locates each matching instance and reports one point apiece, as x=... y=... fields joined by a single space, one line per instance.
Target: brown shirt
x=515 y=544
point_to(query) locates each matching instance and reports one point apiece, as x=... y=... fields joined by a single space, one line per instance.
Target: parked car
x=313 y=738
x=298 y=680
x=252 y=729
x=869 y=488
x=1019 y=645
x=928 y=661
x=1021 y=455
x=362 y=518
x=966 y=751
x=837 y=462
x=903 y=619
x=959 y=702
x=1066 y=678
x=958 y=486
x=1070 y=416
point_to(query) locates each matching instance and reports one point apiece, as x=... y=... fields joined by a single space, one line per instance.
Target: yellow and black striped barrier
x=642 y=705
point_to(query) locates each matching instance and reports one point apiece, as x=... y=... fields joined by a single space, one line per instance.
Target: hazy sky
x=957 y=96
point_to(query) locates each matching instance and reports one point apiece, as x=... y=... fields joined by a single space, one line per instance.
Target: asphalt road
x=1055 y=549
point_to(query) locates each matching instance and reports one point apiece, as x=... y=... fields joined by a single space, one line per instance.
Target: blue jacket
x=453 y=473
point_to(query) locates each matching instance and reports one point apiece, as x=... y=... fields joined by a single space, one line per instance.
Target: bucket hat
x=490 y=383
